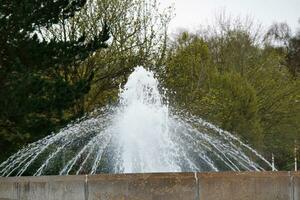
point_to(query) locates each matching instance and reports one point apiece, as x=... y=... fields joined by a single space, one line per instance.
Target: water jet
x=141 y=134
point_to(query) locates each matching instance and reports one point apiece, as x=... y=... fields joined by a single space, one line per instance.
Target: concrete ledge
x=155 y=186
x=246 y=186
x=295 y=182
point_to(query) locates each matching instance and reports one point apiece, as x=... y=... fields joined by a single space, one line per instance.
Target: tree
x=278 y=34
x=188 y=69
x=293 y=55
x=36 y=92
x=138 y=37
x=280 y=38
x=241 y=81
x=223 y=98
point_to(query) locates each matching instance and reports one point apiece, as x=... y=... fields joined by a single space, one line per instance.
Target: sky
x=190 y=14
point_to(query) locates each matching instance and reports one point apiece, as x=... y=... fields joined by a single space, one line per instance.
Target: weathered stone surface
x=157 y=186
x=296 y=185
x=43 y=188
x=245 y=186
x=8 y=188
x=160 y=186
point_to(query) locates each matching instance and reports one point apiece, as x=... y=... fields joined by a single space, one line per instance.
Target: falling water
x=140 y=134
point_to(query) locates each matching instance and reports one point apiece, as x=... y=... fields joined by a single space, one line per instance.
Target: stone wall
x=156 y=186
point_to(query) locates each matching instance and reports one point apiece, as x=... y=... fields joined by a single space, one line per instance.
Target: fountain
x=140 y=134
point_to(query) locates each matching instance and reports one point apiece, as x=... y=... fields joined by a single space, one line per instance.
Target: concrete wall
x=158 y=186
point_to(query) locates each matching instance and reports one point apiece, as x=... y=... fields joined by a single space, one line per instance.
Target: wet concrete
x=155 y=186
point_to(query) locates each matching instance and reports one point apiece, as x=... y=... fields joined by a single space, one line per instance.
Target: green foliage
x=224 y=98
x=244 y=85
x=138 y=37
x=37 y=95
x=233 y=107
x=187 y=69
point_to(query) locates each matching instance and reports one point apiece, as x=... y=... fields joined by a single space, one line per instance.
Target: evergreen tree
x=36 y=92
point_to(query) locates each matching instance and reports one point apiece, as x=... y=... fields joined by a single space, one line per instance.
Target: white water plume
x=139 y=135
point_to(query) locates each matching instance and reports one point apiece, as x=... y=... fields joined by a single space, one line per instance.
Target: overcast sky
x=192 y=13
